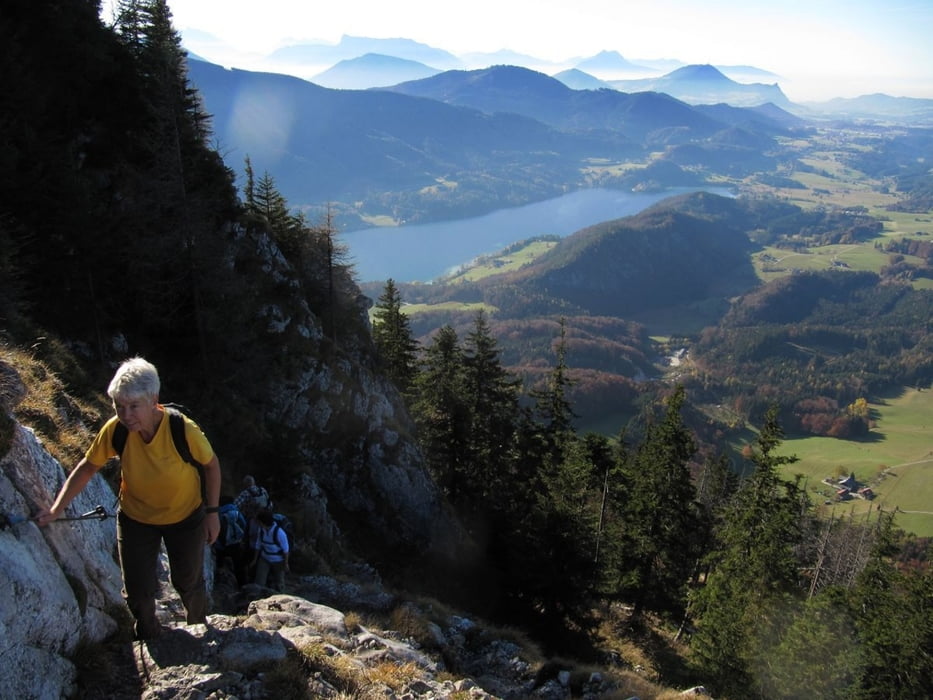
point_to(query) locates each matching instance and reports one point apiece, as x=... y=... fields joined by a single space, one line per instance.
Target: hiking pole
x=99 y=513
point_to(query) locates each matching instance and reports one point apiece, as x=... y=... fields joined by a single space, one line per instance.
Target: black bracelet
x=211 y=509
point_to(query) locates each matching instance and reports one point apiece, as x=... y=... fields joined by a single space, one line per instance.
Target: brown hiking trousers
x=139 y=545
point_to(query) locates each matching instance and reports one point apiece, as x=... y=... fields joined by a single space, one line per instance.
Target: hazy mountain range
x=391 y=130
x=501 y=136
x=361 y=62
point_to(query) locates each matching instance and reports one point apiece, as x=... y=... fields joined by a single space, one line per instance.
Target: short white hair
x=135 y=378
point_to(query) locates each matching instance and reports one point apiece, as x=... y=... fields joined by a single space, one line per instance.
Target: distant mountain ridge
x=522 y=91
x=463 y=143
x=350 y=47
x=635 y=115
x=576 y=79
x=611 y=62
x=705 y=84
x=372 y=70
x=917 y=110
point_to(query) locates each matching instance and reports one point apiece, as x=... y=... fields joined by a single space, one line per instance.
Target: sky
x=819 y=49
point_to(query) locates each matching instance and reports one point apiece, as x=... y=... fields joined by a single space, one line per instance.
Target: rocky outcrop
x=248 y=657
x=350 y=439
x=60 y=585
x=351 y=429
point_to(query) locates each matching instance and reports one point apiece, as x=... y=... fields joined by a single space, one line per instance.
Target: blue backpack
x=232 y=526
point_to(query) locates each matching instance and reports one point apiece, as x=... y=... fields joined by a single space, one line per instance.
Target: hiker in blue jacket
x=232 y=544
x=271 y=551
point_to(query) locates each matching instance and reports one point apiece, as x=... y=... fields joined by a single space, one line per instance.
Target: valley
x=824 y=182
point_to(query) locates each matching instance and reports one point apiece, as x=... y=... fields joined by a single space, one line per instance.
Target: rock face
x=349 y=426
x=59 y=585
x=350 y=439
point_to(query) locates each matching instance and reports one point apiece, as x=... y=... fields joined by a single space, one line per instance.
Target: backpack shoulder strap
x=176 y=422
x=274 y=531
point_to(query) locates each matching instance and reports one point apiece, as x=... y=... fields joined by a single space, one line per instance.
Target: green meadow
x=489 y=265
x=895 y=460
x=461 y=306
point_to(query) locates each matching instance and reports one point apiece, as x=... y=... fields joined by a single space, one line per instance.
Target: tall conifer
x=492 y=398
x=753 y=572
x=660 y=516
x=392 y=334
x=442 y=415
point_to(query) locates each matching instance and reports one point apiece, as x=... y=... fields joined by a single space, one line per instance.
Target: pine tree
x=893 y=613
x=68 y=119
x=660 y=516
x=800 y=641
x=753 y=571
x=392 y=335
x=442 y=415
x=716 y=486
x=328 y=276
x=267 y=207
x=182 y=198
x=492 y=398
x=553 y=410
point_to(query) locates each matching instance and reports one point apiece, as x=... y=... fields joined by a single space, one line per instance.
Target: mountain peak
x=609 y=61
x=372 y=70
x=698 y=72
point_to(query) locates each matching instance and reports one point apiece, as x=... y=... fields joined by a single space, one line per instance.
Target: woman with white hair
x=161 y=499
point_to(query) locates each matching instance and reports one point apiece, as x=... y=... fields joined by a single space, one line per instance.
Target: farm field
x=896 y=461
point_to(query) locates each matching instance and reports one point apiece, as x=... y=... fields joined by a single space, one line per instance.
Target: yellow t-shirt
x=158 y=486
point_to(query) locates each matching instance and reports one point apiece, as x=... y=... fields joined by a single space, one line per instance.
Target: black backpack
x=176 y=423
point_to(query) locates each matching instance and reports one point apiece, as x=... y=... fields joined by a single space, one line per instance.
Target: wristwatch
x=211 y=509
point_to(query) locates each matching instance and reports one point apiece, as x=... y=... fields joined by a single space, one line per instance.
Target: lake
x=424 y=252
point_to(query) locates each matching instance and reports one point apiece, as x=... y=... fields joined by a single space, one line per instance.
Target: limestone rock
x=59 y=584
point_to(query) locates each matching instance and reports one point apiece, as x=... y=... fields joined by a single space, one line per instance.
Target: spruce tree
x=660 y=516
x=893 y=612
x=552 y=407
x=549 y=524
x=442 y=414
x=267 y=210
x=392 y=335
x=183 y=197
x=491 y=395
x=753 y=572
